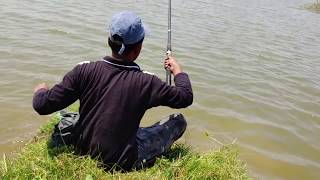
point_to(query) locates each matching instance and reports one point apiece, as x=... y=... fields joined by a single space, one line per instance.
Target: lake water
x=254 y=65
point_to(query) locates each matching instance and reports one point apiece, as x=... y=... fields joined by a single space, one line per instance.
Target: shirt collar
x=114 y=62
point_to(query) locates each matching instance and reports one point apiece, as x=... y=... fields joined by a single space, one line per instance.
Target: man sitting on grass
x=114 y=94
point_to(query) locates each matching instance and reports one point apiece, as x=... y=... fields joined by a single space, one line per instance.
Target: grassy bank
x=315 y=7
x=37 y=161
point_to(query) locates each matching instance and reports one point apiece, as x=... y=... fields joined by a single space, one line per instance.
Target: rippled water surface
x=254 y=65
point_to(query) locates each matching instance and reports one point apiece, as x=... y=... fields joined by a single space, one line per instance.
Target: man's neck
x=117 y=57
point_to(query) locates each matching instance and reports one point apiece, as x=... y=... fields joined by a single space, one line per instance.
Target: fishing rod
x=169 y=50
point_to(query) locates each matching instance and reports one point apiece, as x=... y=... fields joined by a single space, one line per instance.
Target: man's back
x=113 y=98
x=111 y=108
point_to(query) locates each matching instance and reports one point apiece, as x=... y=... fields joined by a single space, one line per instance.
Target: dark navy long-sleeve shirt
x=113 y=98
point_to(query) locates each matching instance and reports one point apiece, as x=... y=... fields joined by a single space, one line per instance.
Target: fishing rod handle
x=168 y=71
x=168 y=76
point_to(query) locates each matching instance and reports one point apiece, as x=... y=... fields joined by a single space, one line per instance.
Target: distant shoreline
x=315 y=7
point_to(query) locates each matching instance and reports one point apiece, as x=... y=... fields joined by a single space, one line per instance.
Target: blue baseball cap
x=128 y=26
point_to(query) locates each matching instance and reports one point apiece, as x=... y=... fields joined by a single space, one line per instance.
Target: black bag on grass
x=64 y=132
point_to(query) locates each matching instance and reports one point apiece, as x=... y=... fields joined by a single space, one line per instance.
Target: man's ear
x=135 y=52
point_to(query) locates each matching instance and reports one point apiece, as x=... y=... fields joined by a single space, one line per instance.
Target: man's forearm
x=39 y=102
x=184 y=90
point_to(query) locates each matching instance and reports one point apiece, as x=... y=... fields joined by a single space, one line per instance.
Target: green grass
x=37 y=161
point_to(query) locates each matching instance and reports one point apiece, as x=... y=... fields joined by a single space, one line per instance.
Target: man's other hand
x=173 y=65
x=41 y=86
